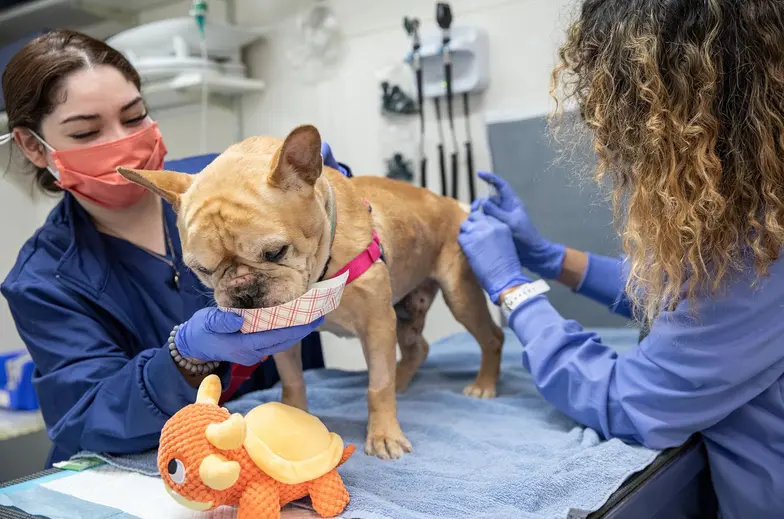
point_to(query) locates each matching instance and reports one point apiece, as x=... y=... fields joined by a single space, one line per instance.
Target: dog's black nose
x=245 y=301
x=249 y=295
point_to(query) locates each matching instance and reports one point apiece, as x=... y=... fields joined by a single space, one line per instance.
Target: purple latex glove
x=212 y=334
x=536 y=253
x=488 y=244
x=329 y=160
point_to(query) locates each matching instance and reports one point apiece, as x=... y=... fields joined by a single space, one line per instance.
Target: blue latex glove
x=329 y=160
x=212 y=334
x=536 y=253
x=488 y=244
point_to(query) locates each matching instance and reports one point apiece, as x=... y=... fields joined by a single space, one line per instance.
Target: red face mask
x=91 y=172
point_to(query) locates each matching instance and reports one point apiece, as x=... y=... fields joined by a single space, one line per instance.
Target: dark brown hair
x=33 y=77
x=685 y=102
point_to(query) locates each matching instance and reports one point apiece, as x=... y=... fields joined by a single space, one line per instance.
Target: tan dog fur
x=265 y=192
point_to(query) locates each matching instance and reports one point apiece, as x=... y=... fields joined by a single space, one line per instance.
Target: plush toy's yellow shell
x=289 y=444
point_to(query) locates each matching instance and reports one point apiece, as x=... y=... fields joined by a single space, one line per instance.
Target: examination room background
x=523 y=38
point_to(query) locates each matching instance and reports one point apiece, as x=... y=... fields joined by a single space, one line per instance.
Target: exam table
x=676 y=485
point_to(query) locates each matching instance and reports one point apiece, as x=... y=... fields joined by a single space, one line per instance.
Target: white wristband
x=523 y=294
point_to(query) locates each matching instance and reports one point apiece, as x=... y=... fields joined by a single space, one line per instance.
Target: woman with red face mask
x=100 y=295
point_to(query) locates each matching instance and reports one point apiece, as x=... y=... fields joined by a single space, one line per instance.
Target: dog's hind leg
x=292 y=377
x=466 y=300
x=411 y=312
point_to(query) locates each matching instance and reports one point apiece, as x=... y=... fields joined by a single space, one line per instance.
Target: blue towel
x=512 y=457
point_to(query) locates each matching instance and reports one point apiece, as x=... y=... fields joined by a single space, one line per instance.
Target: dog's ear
x=169 y=185
x=298 y=162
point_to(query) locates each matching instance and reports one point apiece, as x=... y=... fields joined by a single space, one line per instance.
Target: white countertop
x=19 y=423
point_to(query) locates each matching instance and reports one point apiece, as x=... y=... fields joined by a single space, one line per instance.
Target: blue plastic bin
x=16 y=381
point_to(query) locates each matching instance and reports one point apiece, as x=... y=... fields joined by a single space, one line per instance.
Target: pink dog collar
x=362 y=263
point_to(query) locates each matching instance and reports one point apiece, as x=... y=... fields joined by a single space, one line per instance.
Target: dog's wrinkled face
x=252 y=225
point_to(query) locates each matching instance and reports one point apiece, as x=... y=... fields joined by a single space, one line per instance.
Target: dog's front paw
x=387 y=443
x=479 y=390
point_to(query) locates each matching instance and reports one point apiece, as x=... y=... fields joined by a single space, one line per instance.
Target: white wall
x=22 y=211
x=524 y=35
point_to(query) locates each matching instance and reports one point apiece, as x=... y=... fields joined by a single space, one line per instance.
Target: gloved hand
x=329 y=159
x=212 y=334
x=488 y=244
x=536 y=253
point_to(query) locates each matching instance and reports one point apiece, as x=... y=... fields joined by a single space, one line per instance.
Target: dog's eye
x=204 y=270
x=276 y=255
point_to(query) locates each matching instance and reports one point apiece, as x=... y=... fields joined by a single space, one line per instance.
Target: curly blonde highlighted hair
x=685 y=101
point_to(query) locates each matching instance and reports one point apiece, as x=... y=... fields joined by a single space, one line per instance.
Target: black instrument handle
x=455 y=182
x=442 y=163
x=448 y=81
x=420 y=100
x=471 y=173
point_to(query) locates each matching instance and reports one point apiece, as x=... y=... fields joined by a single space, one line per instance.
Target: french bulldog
x=256 y=227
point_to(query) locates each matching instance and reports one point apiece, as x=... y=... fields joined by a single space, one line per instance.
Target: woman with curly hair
x=684 y=100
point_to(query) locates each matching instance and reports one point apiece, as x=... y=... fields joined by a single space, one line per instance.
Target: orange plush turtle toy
x=276 y=454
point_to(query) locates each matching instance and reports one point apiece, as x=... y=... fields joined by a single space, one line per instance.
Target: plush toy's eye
x=176 y=471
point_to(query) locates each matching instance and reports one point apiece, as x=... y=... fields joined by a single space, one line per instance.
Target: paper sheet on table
x=142 y=496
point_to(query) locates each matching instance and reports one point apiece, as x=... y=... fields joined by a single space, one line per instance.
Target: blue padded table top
x=633 y=485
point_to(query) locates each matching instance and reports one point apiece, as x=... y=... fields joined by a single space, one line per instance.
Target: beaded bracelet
x=186 y=364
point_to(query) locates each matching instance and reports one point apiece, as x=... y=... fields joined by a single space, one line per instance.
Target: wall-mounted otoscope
x=444 y=20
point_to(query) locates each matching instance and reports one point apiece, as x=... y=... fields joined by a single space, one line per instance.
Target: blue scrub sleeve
x=92 y=395
x=604 y=281
x=689 y=373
